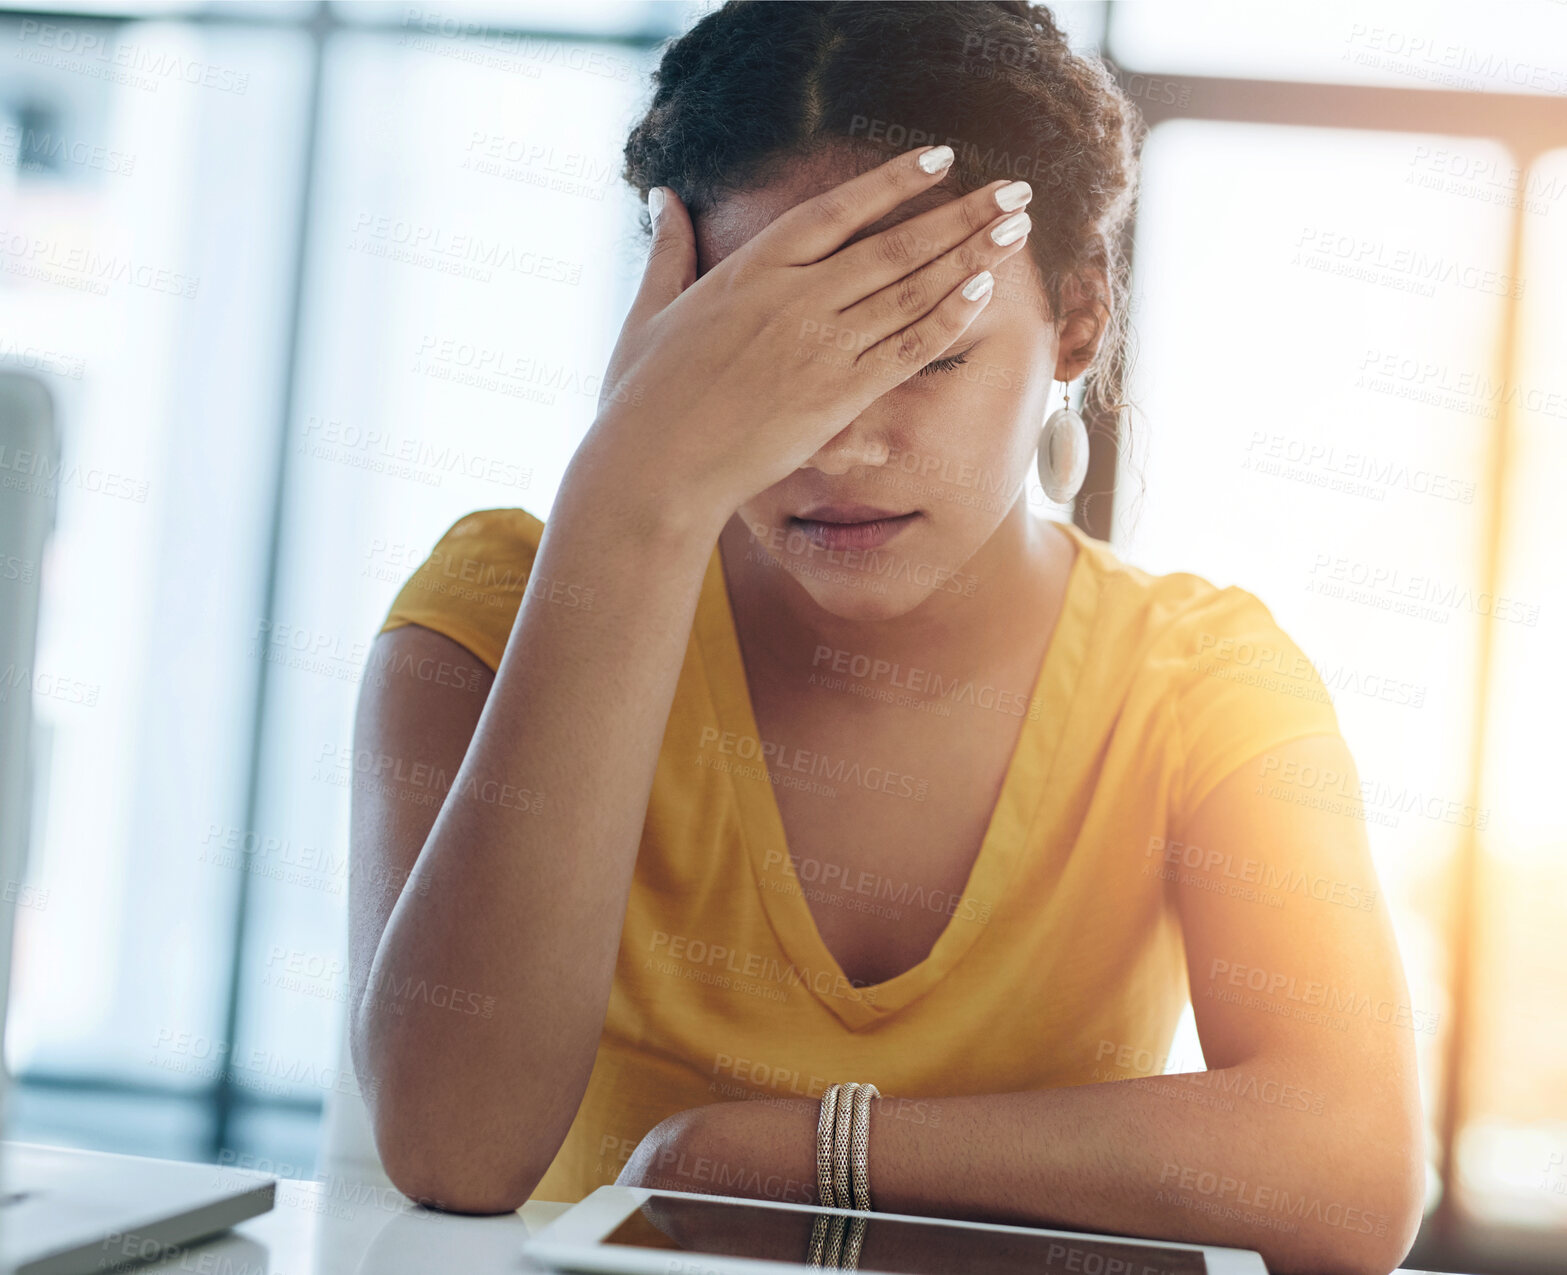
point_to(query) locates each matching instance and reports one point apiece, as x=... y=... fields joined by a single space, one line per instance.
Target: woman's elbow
x=1402 y=1208
x=1377 y=1221
x=435 y=1151
x=450 y=1178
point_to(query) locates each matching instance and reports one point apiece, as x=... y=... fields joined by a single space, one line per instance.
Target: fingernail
x=978 y=286
x=1013 y=195
x=1011 y=230
x=655 y=204
x=936 y=159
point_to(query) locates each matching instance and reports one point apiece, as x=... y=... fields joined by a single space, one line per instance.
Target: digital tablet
x=636 y=1231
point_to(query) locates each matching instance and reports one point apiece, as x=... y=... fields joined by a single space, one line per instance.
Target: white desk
x=336 y=1227
x=340 y=1228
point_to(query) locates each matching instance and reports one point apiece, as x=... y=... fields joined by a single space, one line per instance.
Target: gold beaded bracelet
x=842 y=1174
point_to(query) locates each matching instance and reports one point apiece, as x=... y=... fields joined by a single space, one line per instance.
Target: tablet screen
x=741 y=1229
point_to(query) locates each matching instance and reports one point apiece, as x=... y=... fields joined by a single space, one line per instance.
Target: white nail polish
x=1011 y=230
x=1013 y=196
x=978 y=286
x=936 y=159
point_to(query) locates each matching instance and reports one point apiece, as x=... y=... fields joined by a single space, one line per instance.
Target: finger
x=671 y=260
x=820 y=226
x=909 y=299
x=864 y=268
x=905 y=352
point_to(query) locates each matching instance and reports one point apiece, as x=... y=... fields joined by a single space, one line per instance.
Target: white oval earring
x=1063 y=451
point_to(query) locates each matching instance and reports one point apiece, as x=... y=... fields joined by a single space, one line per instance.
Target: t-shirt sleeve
x=1241 y=686
x=471 y=586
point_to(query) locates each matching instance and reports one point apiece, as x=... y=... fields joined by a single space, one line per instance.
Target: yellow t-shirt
x=1062 y=963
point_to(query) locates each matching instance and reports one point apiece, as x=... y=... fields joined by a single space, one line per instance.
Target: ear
x=1085 y=315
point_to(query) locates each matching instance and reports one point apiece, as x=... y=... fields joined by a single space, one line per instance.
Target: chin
x=880 y=583
x=848 y=602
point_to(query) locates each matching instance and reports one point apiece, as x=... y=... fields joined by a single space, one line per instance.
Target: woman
x=795 y=750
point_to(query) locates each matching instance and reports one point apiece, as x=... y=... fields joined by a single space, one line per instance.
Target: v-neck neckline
x=1023 y=788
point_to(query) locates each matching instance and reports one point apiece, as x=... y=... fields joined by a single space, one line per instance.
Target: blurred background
x=312 y=280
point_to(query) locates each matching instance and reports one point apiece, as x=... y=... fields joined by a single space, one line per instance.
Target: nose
x=857 y=443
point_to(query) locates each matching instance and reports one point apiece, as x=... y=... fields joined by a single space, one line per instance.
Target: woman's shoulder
x=471 y=585
x=1208 y=666
x=512 y=532
x=1167 y=614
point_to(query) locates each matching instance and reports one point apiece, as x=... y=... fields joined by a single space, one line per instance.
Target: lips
x=852 y=526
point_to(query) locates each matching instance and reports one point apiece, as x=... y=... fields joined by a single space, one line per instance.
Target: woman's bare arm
x=489 y=978
x=713 y=393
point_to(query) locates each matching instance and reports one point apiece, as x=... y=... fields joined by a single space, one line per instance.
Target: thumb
x=671 y=261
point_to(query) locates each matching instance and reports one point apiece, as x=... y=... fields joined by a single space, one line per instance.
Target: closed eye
x=944 y=364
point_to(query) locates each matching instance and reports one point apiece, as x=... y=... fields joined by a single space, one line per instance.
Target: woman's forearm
x=522 y=908
x=1225 y=1157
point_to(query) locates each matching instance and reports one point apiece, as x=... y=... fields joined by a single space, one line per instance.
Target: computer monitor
x=29 y=463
